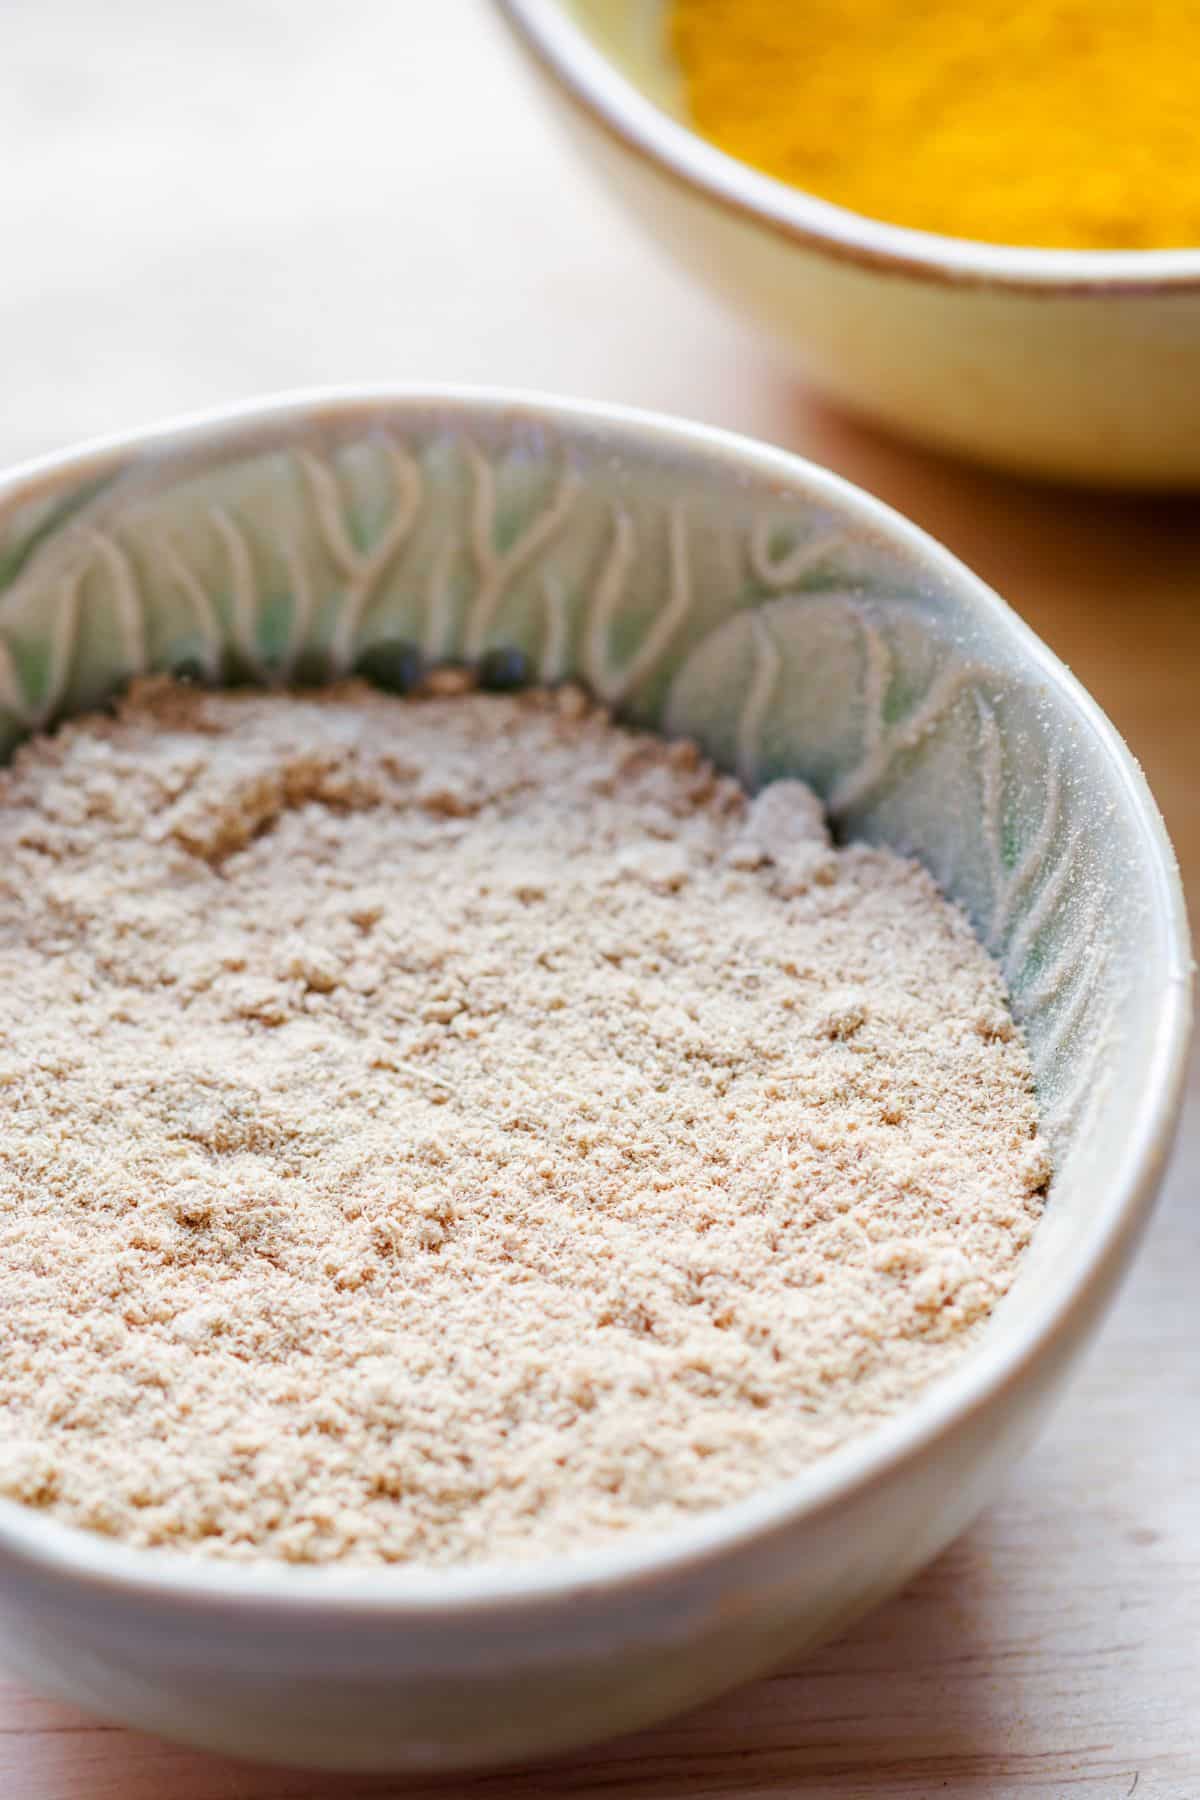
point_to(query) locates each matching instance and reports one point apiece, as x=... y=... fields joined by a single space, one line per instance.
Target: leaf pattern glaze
x=764 y=626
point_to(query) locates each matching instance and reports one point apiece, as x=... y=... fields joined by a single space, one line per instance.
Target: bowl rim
x=596 y=84
x=33 y=1543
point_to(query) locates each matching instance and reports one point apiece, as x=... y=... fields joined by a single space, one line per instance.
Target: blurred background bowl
x=1076 y=365
x=701 y=584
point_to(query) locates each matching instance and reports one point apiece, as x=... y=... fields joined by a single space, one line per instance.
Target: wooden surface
x=200 y=203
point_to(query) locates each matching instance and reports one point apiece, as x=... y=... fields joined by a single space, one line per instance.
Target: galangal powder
x=457 y=1128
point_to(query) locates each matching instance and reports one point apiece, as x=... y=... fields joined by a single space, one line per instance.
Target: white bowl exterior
x=1091 y=381
x=708 y=585
x=332 y=1686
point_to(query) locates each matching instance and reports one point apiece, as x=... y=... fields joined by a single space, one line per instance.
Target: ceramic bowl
x=702 y=585
x=1070 y=364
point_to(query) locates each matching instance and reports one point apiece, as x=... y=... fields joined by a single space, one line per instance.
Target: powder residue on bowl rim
x=457 y=1128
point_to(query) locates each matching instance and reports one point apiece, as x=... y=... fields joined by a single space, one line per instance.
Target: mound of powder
x=457 y=1128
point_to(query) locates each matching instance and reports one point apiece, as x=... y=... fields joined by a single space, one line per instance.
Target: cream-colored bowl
x=1071 y=364
x=703 y=585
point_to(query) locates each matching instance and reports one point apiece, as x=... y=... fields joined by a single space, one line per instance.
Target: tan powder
x=454 y=1128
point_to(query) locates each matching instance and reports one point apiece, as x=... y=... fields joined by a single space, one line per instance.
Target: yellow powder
x=1068 y=123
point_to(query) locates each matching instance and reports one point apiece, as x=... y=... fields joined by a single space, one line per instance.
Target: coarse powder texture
x=456 y=1128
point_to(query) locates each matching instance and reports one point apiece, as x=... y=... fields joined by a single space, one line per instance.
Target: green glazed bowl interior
x=701 y=585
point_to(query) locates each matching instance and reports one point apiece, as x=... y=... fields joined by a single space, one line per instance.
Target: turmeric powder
x=1065 y=123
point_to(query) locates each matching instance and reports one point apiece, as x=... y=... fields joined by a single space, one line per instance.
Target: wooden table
x=201 y=203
